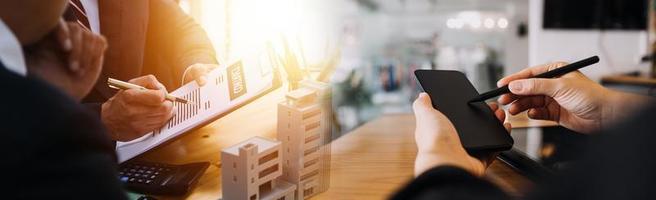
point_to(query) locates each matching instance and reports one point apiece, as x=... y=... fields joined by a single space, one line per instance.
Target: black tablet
x=477 y=126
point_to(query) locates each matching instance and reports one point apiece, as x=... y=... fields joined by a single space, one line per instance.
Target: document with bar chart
x=227 y=88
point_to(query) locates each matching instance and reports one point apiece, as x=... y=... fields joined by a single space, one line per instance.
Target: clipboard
x=228 y=88
x=479 y=129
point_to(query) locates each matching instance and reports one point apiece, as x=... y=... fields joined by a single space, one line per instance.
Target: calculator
x=162 y=179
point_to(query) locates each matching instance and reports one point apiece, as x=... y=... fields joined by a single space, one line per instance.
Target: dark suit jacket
x=618 y=164
x=148 y=37
x=52 y=148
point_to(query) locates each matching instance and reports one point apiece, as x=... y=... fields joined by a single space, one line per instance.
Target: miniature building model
x=250 y=170
x=304 y=136
x=324 y=98
x=295 y=167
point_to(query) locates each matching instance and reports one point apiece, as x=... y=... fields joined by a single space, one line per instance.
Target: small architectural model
x=324 y=99
x=250 y=171
x=304 y=136
x=297 y=166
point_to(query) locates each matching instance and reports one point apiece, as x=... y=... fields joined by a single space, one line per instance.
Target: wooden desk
x=521 y=120
x=374 y=160
x=629 y=80
x=641 y=84
x=371 y=162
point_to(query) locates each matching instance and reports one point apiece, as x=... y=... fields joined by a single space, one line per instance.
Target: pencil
x=550 y=74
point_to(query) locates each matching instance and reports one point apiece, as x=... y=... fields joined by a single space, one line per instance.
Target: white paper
x=227 y=88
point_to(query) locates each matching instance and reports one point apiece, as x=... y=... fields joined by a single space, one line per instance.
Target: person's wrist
x=611 y=102
x=106 y=121
x=424 y=162
x=428 y=160
x=619 y=105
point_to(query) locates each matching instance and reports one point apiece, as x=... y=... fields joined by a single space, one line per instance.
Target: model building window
x=254 y=197
x=309 y=151
x=311 y=114
x=310 y=175
x=311 y=126
x=265 y=188
x=268 y=157
x=308 y=192
x=269 y=170
x=312 y=138
x=311 y=162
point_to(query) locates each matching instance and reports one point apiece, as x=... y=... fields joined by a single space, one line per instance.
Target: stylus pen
x=122 y=85
x=550 y=74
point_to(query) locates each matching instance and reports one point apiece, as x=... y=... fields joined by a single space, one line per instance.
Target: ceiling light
x=488 y=23
x=502 y=23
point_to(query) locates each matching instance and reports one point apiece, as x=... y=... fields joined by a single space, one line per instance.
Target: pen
x=550 y=74
x=122 y=85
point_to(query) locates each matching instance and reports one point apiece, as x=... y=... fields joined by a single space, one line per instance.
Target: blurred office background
x=369 y=48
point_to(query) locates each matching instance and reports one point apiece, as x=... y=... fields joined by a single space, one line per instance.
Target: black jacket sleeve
x=446 y=182
x=618 y=163
x=94 y=107
x=53 y=148
x=70 y=160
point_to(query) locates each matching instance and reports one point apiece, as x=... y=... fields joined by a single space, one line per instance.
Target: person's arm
x=72 y=158
x=95 y=107
x=448 y=182
x=572 y=100
x=443 y=168
x=184 y=40
x=621 y=106
x=54 y=148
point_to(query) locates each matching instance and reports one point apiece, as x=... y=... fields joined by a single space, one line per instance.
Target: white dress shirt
x=91 y=10
x=11 y=52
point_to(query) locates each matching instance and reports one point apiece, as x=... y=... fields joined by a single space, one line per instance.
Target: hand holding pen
x=141 y=106
x=572 y=100
x=121 y=85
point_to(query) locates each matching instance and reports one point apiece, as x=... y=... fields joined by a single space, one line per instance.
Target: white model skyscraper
x=304 y=131
x=324 y=98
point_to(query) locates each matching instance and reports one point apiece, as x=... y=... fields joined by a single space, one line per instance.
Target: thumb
x=422 y=103
x=535 y=86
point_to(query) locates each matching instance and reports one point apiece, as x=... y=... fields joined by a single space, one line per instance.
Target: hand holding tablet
x=476 y=124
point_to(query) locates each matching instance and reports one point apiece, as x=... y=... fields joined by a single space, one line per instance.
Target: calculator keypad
x=157 y=178
x=143 y=173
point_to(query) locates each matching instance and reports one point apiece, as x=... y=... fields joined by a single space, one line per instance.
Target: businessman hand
x=572 y=100
x=438 y=143
x=133 y=113
x=44 y=59
x=197 y=72
x=70 y=36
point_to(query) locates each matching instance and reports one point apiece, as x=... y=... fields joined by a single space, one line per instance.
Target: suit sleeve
x=73 y=159
x=446 y=182
x=185 y=40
